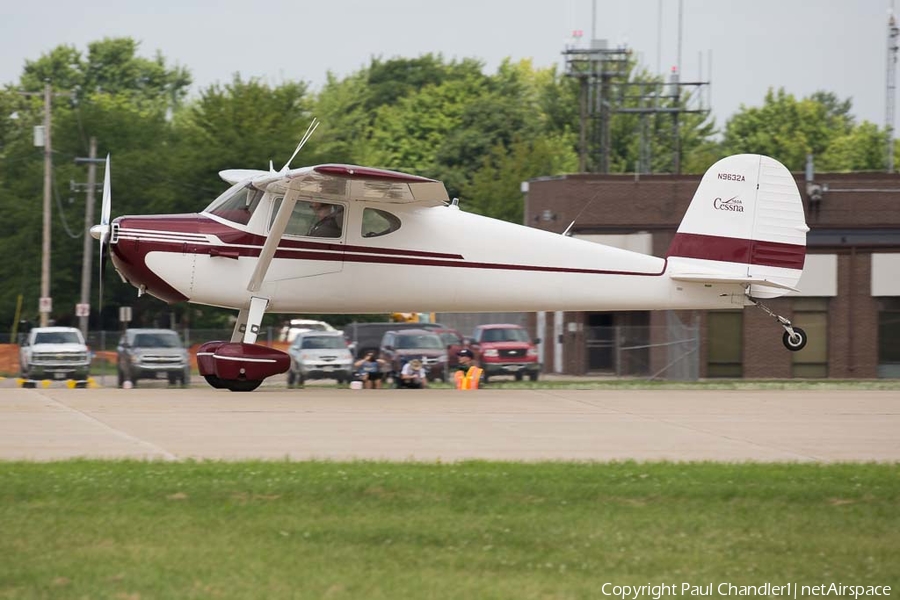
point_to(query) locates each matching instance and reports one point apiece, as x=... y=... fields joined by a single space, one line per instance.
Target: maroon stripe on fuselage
x=737 y=250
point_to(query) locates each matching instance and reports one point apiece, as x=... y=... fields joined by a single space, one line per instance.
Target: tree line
x=481 y=133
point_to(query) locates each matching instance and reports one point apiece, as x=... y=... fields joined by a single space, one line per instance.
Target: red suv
x=505 y=349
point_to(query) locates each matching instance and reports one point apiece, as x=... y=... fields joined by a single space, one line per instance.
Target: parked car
x=295 y=326
x=54 y=353
x=152 y=354
x=453 y=342
x=505 y=349
x=399 y=347
x=319 y=355
x=366 y=337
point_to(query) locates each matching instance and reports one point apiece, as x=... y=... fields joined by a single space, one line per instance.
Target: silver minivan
x=319 y=355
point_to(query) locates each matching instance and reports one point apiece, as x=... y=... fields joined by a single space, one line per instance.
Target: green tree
x=788 y=129
x=495 y=188
x=243 y=124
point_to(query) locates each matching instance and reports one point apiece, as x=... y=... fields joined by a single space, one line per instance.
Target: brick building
x=849 y=300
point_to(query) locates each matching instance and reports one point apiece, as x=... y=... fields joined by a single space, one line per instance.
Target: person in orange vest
x=468 y=374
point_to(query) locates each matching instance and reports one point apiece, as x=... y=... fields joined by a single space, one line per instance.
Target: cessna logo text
x=731 y=177
x=732 y=204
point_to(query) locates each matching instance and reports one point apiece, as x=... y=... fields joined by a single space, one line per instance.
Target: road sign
x=82 y=310
x=45 y=305
x=125 y=314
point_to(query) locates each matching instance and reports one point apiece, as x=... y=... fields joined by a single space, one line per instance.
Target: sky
x=802 y=45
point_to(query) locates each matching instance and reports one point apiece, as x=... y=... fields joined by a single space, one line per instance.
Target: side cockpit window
x=376 y=222
x=313 y=218
x=238 y=207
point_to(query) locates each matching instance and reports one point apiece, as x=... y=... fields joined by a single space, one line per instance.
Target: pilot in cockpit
x=328 y=220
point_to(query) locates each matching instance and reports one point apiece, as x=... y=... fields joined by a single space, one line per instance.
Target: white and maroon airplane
x=347 y=239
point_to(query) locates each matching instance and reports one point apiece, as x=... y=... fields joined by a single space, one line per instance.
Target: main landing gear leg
x=794 y=338
x=241 y=365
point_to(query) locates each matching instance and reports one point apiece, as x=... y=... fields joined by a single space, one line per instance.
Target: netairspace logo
x=788 y=590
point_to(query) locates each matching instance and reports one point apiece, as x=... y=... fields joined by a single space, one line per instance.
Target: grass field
x=98 y=529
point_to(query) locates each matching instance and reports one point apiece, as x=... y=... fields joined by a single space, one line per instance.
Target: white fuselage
x=440 y=259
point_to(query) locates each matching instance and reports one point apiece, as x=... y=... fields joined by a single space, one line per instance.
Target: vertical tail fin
x=744 y=224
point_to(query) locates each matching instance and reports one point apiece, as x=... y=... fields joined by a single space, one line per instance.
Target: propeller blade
x=102 y=233
x=107 y=197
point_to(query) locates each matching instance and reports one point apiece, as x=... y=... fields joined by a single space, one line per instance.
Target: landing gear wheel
x=215 y=382
x=797 y=341
x=241 y=385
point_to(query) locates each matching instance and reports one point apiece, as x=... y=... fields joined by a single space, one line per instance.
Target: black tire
x=174 y=378
x=519 y=376
x=533 y=376
x=300 y=379
x=484 y=377
x=242 y=385
x=215 y=382
x=186 y=377
x=797 y=343
x=121 y=377
x=291 y=379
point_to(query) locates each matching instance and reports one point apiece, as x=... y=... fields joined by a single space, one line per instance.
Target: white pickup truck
x=54 y=353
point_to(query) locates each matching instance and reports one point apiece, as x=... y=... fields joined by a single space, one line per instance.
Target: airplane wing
x=353 y=182
x=714 y=278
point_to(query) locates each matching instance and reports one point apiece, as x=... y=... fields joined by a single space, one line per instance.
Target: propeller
x=101 y=232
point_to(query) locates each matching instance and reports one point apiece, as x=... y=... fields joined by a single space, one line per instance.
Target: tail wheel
x=797 y=341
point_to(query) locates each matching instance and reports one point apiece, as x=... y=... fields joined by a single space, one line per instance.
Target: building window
x=724 y=344
x=889 y=337
x=811 y=314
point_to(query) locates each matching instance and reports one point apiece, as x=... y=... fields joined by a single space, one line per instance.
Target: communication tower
x=606 y=88
x=890 y=87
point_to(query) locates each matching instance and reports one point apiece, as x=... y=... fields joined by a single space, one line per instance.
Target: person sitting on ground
x=412 y=375
x=369 y=369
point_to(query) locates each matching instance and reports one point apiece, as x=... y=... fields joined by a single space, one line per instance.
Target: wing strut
x=268 y=249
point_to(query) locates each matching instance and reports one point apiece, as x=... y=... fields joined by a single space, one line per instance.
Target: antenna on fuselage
x=309 y=131
x=583 y=208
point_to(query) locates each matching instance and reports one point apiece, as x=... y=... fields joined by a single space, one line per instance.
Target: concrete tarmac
x=157 y=423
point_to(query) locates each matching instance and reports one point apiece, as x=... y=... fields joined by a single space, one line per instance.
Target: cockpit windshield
x=237 y=204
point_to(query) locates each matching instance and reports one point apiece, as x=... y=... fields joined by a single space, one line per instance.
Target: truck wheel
x=519 y=376
x=533 y=376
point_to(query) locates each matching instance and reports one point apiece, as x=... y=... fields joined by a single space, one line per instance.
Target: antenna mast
x=891 y=86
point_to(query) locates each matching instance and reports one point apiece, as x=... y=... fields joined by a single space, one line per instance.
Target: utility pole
x=45 y=306
x=45 y=303
x=84 y=308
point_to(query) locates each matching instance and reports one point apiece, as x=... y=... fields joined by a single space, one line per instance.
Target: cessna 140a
x=337 y=238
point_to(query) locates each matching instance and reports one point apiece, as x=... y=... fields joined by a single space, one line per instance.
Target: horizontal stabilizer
x=717 y=278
